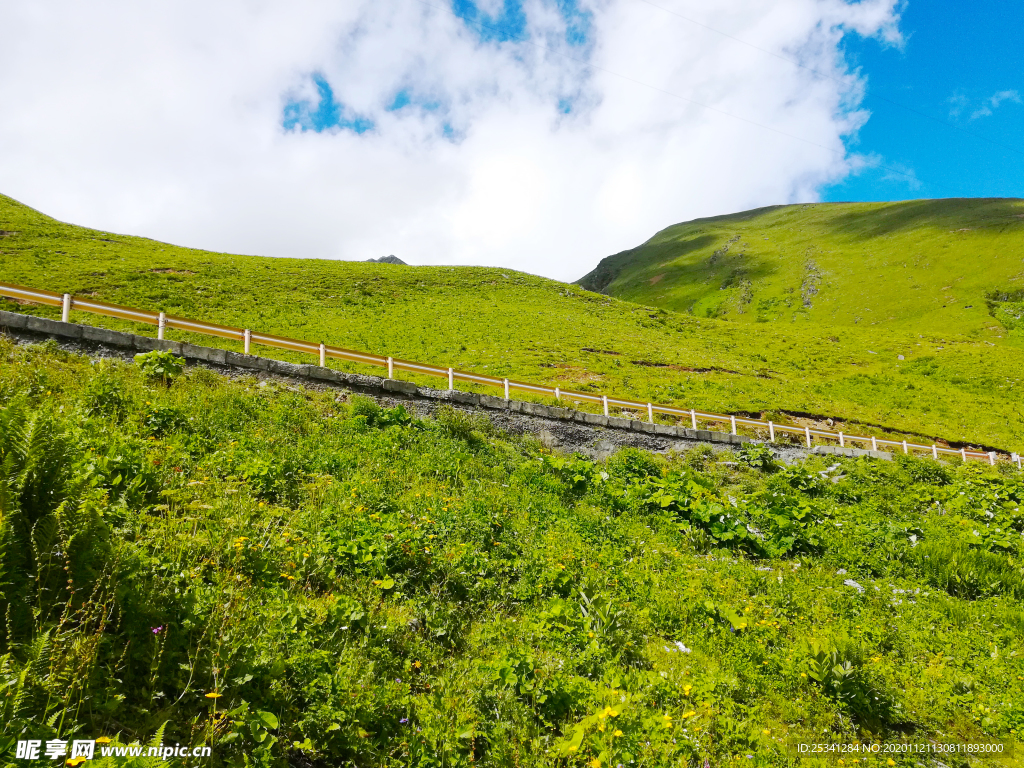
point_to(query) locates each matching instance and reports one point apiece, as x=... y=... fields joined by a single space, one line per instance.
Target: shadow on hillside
x=952 y=214
x=610 y=267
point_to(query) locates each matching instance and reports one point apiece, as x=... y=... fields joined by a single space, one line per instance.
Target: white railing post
x=506 y=389
x=650 y=413
x=904 y=446
x=935 y=451
x=807 y=434
x=693 y=418
x=65 y=308
x=604 y=401
x=992 y=458
x=963 y=454
x=771 y=432
x=733 y=419
x=323 y=355
x=161 y=323
x=874 y=443
x=451 y=380
x=558 y=393
x=841 y=443
x=1019 y=466
x=391 y=368
x=247 y=338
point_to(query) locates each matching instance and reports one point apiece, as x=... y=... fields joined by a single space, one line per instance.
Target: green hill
x=291 y=579
x=949 y=385
x=926 y=266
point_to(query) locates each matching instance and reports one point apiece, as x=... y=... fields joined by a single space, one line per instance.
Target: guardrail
x=248 y=337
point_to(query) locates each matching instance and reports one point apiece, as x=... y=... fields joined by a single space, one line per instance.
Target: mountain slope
x=353 y=587
x=511 y=324
x=946 y=266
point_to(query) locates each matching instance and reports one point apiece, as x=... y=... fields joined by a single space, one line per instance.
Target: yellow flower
x=595 y=763
x=103 y=740
x=617 y=733
x=608 y=712
x=765 y=731
x=691 y=713
x=890 y=761
x=213 y=695
x=75 y=761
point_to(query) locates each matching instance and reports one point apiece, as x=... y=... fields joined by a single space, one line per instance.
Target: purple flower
x=157 y=630
x=404 y=720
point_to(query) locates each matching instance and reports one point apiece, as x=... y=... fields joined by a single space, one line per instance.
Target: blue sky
x=964 y=64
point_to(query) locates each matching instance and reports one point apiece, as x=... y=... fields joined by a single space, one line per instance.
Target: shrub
x=161 y=365
x=757 y=455
x=106 y=396
x=365 y=407
x=462 y=424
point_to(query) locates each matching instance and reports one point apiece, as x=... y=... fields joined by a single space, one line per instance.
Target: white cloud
x=993 y=102
x=166 y=121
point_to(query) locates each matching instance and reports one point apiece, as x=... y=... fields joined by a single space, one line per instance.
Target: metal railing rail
x=67 y=302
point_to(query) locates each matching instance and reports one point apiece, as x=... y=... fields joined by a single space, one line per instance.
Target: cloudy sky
x=539 y=135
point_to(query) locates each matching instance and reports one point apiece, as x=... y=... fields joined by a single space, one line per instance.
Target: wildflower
x=75 y=761
x=617 y=733
x=404 y=720
x=103 y=740
x=595 y=763
x=157 y=630
x=213 y=695
x=608 y=712
x=691 y=713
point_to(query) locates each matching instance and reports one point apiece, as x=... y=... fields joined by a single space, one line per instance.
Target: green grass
x=951 y=386
x=295 y=580
x=928 y=266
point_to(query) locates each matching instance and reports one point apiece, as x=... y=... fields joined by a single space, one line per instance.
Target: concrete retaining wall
x=551 y=422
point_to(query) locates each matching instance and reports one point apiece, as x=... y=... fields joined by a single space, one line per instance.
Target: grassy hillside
x=928 y=266
x=949 y=386
x=298 y=581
